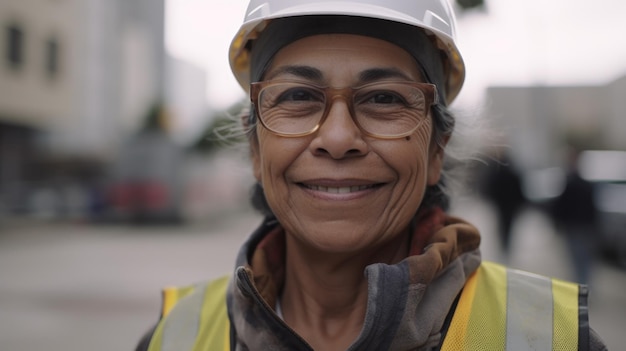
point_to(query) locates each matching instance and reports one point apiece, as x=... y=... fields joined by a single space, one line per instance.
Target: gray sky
x=549 y=42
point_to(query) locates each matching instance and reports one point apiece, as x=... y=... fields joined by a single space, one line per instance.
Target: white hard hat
x=434 y=16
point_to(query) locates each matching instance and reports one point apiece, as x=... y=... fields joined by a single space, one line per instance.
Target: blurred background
x=118 y=175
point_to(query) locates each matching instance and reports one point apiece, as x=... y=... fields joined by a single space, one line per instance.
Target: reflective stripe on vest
x=499 y=309
x=199 y=321
x=507 y=309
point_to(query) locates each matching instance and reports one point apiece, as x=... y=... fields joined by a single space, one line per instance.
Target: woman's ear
x=435 y=162
x=255 y=156
x=246 y=120
x=253 y=142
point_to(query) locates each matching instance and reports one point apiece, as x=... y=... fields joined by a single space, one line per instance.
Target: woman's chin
x=343 y=236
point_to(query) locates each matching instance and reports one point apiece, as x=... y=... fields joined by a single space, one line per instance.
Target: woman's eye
x=299 y=95
x=385 y=98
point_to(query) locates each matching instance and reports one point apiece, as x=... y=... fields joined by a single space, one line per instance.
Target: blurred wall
x=186 y=92
x=87 y=72
x=537 y=122
x=615 y=128
x=76 y=78
x=38 y=75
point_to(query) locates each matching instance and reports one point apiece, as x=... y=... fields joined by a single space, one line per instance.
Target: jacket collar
x=407 y=302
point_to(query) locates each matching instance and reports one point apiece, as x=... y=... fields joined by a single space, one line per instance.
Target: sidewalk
x=75 y=287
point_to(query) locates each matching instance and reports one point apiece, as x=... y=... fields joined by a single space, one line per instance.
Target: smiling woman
x=347 y=131
x=301 y=177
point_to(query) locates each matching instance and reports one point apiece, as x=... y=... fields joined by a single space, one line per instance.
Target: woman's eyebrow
x=314 y=74
x=374 y=74
x=306 y=72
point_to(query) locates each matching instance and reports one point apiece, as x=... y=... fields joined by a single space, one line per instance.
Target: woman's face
x=338 y=190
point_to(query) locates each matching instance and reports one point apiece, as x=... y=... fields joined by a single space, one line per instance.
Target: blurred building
x=186 y=90
x=76 y=78
x=538 y=122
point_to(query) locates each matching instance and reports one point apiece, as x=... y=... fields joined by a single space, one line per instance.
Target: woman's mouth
x=339 y=190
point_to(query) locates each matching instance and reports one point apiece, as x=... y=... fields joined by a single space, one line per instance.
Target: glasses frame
x=347 y=93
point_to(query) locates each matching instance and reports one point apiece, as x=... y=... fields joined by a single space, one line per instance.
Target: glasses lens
x=291 y=108
x=390 y=109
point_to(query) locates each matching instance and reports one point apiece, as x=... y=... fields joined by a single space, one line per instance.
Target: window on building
x=14 y=46
x=52 y=57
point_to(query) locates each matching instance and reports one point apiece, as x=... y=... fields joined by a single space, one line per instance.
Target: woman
x=348 y=129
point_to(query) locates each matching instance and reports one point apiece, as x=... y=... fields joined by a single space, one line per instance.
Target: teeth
x=339 y=190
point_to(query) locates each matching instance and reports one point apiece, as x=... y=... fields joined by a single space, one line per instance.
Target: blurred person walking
x=503 y=188
x=574 y=213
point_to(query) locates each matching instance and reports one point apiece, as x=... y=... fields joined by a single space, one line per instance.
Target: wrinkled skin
x=338 y=155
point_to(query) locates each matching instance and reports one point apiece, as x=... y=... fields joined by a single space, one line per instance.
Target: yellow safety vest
x=499 y=309
x=201 y=323
x=507 y=309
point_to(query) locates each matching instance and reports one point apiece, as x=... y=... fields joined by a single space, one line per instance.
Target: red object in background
x=138 y=195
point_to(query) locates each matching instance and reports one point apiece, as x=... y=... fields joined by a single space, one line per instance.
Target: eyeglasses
x=385 y=110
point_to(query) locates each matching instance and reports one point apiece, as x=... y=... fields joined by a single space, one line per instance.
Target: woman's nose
x=339 y=136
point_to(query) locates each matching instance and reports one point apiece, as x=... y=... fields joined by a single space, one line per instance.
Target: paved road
x=66 y=287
